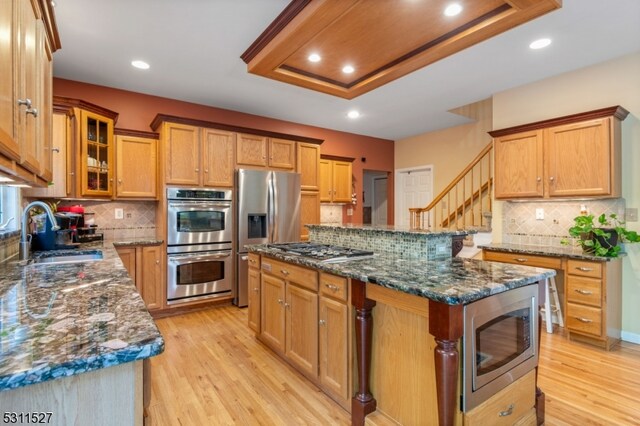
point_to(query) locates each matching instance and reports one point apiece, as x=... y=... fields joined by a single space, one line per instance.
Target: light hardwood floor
x=214 y=372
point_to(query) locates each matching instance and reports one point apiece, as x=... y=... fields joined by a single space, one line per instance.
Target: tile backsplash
x=330 y=213
x=520 y=226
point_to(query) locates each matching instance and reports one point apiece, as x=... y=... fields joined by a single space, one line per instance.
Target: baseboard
x=630 y=337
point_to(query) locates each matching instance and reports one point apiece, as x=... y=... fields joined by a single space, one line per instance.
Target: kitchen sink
x=69 y=258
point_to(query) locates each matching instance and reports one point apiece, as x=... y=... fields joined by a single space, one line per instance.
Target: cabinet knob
x=322 y=322
x=506 y=412
x=539 y=179
x=287 y=306
x=284 y=272
x=255 y=289
x=32 y=111
x=551 y=178
x=120 y=181
x=55 y=150
x=331 y=287
x=157 y=262
x=252 y=261
x=206 y=170
x=71 y=173
x=26 y=102
x=197 y=170
x=280 y=301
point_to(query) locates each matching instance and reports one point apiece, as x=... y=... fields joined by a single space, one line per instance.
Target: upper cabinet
x=136 y=164
x=572 y=156
x=309 y=166
x=335 y=179
x=26 y=47
x=260 y=151
x=96 y=154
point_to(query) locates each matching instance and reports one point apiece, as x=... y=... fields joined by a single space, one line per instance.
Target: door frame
x=373 y=199
x=398 y=187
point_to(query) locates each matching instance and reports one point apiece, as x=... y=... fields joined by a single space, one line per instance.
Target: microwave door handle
x=208 y=206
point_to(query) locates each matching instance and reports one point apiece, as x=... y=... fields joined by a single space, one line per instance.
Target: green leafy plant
x=601 y=236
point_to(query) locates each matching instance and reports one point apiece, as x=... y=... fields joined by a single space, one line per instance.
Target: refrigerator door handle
x=271 y=213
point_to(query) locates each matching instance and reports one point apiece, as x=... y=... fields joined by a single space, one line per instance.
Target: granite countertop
x=453 y=281
x=390 y=229
x=66 y=319
x=137 y=242
x=566 y=251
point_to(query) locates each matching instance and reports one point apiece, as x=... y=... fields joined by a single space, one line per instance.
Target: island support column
x=540 y=397
x=363 y=401
x=446 y=325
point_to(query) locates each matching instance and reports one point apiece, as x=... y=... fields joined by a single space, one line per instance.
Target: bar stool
x=551 y=291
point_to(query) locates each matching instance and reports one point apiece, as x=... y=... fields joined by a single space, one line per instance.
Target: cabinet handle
x=539 y=179
x=284 y=272
x=551 y=179
x=252 y=261
x=255 y=289
x=331 y=287
x=280 y=301
x=55 y=150
x=197 y=170
x=206 y=170
x=581 y=291
x=71 y=173
x=32 y=111
x=520 y=259
x=507 y=412
x=585 y=320
x=322 y=322
x=287 y=306
x=157 y=262
x=120 y=181
x=584 y=269
x=26 y=102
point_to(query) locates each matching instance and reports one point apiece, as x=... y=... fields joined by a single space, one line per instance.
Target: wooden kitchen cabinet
x=253 y=305
x=309 y=212
x=144 y=265
x=309 y=166
x=335 y=181
x=260 y=151
x=301 y=337
x=195 y=156
x=128 y=258
x=97 y=154
x=272 y=315
x=136 y=166
x=573 y=156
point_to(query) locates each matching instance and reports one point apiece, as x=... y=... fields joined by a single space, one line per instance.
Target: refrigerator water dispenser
x=257 y=226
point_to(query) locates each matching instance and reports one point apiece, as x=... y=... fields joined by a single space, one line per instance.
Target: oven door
x=207 y=274
x=198 y=222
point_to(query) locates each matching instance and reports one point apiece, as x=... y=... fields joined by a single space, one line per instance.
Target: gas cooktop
x=322 y=252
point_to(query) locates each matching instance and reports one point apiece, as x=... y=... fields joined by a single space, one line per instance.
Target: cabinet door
x=579 y=159
x=342 y=182
x=128 y=257
x=136 y=167
x=9 y=108
x=302 y=328
x=334 y=344
x=182 y=154
x=150 y=276
x=218 y=157
x=254 y=299
x=519 y=165
x=45 y=106
x=251 y=150
x=308 y=166
x=309 y=211
x=96 y=155
x=282 y=154
x=326 y=180
x=272 y=312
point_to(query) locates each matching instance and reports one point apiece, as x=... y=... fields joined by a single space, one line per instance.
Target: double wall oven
x=199 y=244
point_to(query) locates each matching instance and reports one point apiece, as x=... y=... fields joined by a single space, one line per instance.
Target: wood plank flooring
x=214 y=372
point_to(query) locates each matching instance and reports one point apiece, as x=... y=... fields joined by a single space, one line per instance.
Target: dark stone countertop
x=66 y=319
x=137 y=242
x=390 y=229
x=453 y=281
x=566 y=251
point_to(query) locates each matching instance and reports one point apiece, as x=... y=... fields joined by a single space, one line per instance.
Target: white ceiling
x=194 y=49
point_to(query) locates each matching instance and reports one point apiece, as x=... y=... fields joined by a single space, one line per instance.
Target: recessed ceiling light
x=314 y=57
x=540 y=43
x=353 y=114
x=453 y=9
x=348 y=69
x=140 y=64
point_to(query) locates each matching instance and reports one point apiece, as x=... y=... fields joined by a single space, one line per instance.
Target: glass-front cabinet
x=97 y=156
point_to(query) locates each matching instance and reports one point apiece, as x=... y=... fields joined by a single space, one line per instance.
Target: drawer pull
x=520 y=259
x=507 y=412
x=584 y=269
x=256 y=289
x=585 y=320
x=280 y=301
x=332 y=287
x=284 y=272
x=252 y=261
x=287 y=306
x=322 y=322
x=585 y=292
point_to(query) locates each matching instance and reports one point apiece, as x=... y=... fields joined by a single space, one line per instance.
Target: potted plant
x=601 y=236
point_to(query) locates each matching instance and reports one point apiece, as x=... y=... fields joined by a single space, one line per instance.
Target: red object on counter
x=72 y=209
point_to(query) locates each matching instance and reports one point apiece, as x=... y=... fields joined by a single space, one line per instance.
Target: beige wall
x=616 y=82
x=449 y=150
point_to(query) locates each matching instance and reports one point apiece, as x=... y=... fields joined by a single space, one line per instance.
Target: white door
x=415 y=189
x=379 y=212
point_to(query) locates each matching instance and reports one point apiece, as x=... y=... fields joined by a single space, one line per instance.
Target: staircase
x=465 y=203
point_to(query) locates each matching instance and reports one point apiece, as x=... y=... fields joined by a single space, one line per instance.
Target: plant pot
x=587 y=236
x=608 y=242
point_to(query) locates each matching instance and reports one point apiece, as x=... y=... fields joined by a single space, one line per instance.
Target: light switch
x=540 y=214
x=119 y=213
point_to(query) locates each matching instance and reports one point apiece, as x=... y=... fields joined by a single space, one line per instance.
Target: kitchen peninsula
x=74 y=337
x=407 y=319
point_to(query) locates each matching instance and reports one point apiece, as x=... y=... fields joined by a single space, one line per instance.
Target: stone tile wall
x=331 y=214
x=519 y=224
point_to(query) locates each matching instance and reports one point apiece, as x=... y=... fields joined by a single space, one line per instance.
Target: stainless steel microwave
x=500 y=343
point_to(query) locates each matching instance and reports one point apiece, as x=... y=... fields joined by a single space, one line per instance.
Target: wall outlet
x=349 y=212
x=441 y=248
x=539 y=214
x=119 y=213
x=631 y=215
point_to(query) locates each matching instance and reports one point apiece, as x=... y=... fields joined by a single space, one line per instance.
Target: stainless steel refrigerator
x=268 y=209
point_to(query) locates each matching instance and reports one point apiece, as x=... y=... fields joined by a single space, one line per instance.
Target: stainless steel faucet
x=25 y=243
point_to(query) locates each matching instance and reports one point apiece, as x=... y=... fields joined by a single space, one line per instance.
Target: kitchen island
x=73 y=340
x=408 y=358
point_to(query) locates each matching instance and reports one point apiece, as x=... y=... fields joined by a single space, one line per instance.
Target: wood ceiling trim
x=315 y=16
x=64 y=102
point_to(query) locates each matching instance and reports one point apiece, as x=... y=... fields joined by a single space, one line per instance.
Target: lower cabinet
x=253 y=299
x=305 y=317
x=144 y=264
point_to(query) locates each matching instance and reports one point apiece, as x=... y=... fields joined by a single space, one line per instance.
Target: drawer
x=508 y=406
x=584 y=319
x=334 y=286
x=303 y=277
x=584 y=290
x=523 y=259
x=254 y=260
x=584 y=268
